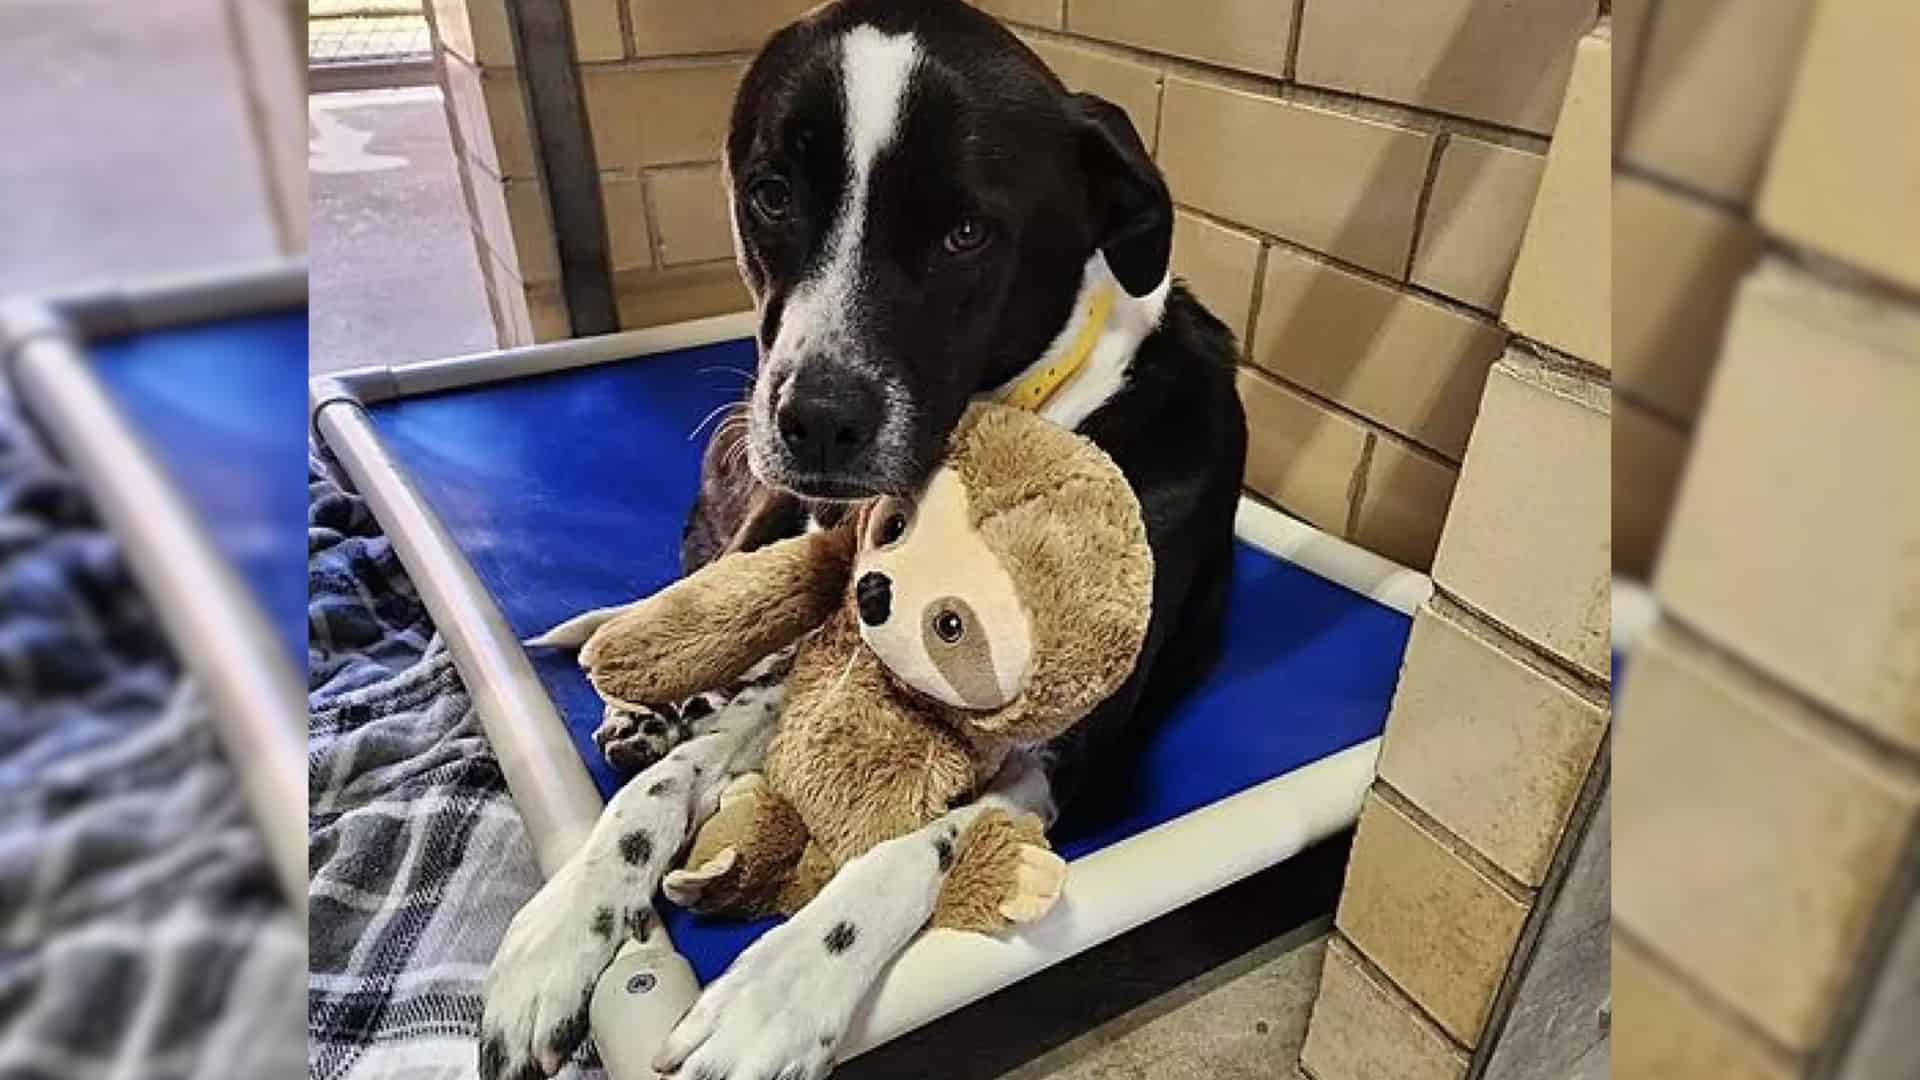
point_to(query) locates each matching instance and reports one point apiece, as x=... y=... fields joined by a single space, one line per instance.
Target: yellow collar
x=1034 y=390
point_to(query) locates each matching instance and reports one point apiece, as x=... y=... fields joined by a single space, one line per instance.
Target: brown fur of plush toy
x=1020 y=584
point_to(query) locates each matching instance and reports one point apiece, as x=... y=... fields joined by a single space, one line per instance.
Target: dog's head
x=914 y=200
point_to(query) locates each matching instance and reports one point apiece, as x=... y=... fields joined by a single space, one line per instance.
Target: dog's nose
x=826 y=417
x=874 y=593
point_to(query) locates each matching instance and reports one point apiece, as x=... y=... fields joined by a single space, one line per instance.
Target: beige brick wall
x=1468 y=942
x=1769 y=788
x=669 y=245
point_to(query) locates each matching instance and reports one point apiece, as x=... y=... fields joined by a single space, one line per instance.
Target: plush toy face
x=935 y=603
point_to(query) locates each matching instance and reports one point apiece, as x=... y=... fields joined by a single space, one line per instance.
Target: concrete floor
x=1219 y=990
x=394 y=275
x=1246 y=1018
x=127 y=151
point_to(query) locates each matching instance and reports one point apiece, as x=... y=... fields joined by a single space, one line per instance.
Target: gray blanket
x=418 y=858
x=142 y=936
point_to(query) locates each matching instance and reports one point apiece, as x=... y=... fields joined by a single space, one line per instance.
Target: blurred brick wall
x=1696 y=109
x=1473 y=925
x=1767 y=196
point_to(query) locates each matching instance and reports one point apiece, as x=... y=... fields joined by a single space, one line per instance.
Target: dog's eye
x=893 y=528
x=971 y=234
x=772 y=198
x=949 y=626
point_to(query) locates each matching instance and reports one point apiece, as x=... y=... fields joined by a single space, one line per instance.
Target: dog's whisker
x=717 y=410
x=736 y=454
x=726 y=369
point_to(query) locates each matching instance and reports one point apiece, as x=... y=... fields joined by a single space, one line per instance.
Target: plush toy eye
x=948 y=626
x=893 y=528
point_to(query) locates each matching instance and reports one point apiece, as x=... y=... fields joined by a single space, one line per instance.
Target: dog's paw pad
x=632 y=738
x=1038 y=877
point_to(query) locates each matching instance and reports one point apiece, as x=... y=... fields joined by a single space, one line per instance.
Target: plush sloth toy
x=934 y=636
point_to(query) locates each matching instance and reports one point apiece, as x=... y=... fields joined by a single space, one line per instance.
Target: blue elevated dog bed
x=568 y=491
x=525 y=487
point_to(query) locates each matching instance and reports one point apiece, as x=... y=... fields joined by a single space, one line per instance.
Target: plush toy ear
x=1132 y=211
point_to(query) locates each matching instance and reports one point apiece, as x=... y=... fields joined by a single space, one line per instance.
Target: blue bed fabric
x=215 y=404
x=569 y=491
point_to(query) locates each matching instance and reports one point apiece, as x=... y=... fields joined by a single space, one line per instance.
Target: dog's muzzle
x=826 y=418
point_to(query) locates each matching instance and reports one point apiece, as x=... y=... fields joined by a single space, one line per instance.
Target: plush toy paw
x=687 y=886
x=999 y=872
x=1038 y=877
x=743 y=856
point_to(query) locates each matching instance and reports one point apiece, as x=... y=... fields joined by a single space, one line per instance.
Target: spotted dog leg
x=783 y=1006
x=542 y=978
x=632 y=736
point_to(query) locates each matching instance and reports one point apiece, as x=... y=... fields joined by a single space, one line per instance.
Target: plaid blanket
x=417 y=858
x=141 y=931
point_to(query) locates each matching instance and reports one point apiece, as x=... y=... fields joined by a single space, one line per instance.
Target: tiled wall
x=1352 y=212
x=1472 y=928
x=1767 y=922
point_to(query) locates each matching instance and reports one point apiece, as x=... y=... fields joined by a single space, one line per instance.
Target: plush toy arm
x=1002 y=873
x=710 y=627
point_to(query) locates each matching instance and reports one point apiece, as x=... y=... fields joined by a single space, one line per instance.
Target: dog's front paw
x=542 y=979
x=632 y=738
x=778 y=1012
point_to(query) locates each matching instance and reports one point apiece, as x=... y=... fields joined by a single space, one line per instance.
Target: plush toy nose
x=874 y=593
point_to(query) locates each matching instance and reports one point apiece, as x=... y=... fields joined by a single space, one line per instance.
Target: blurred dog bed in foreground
x=141 y=930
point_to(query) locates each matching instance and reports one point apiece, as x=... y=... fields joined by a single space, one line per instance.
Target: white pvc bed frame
x=255 y=697
x=1108 y=892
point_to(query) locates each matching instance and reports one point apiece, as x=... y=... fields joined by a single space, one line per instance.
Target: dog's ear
x=1132 y=211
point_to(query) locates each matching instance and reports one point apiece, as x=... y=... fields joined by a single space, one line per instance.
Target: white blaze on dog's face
x=915 y=201
x=935 y=603
x=818 y=371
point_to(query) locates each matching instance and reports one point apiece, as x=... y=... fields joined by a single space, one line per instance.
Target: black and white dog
x=924 y=215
